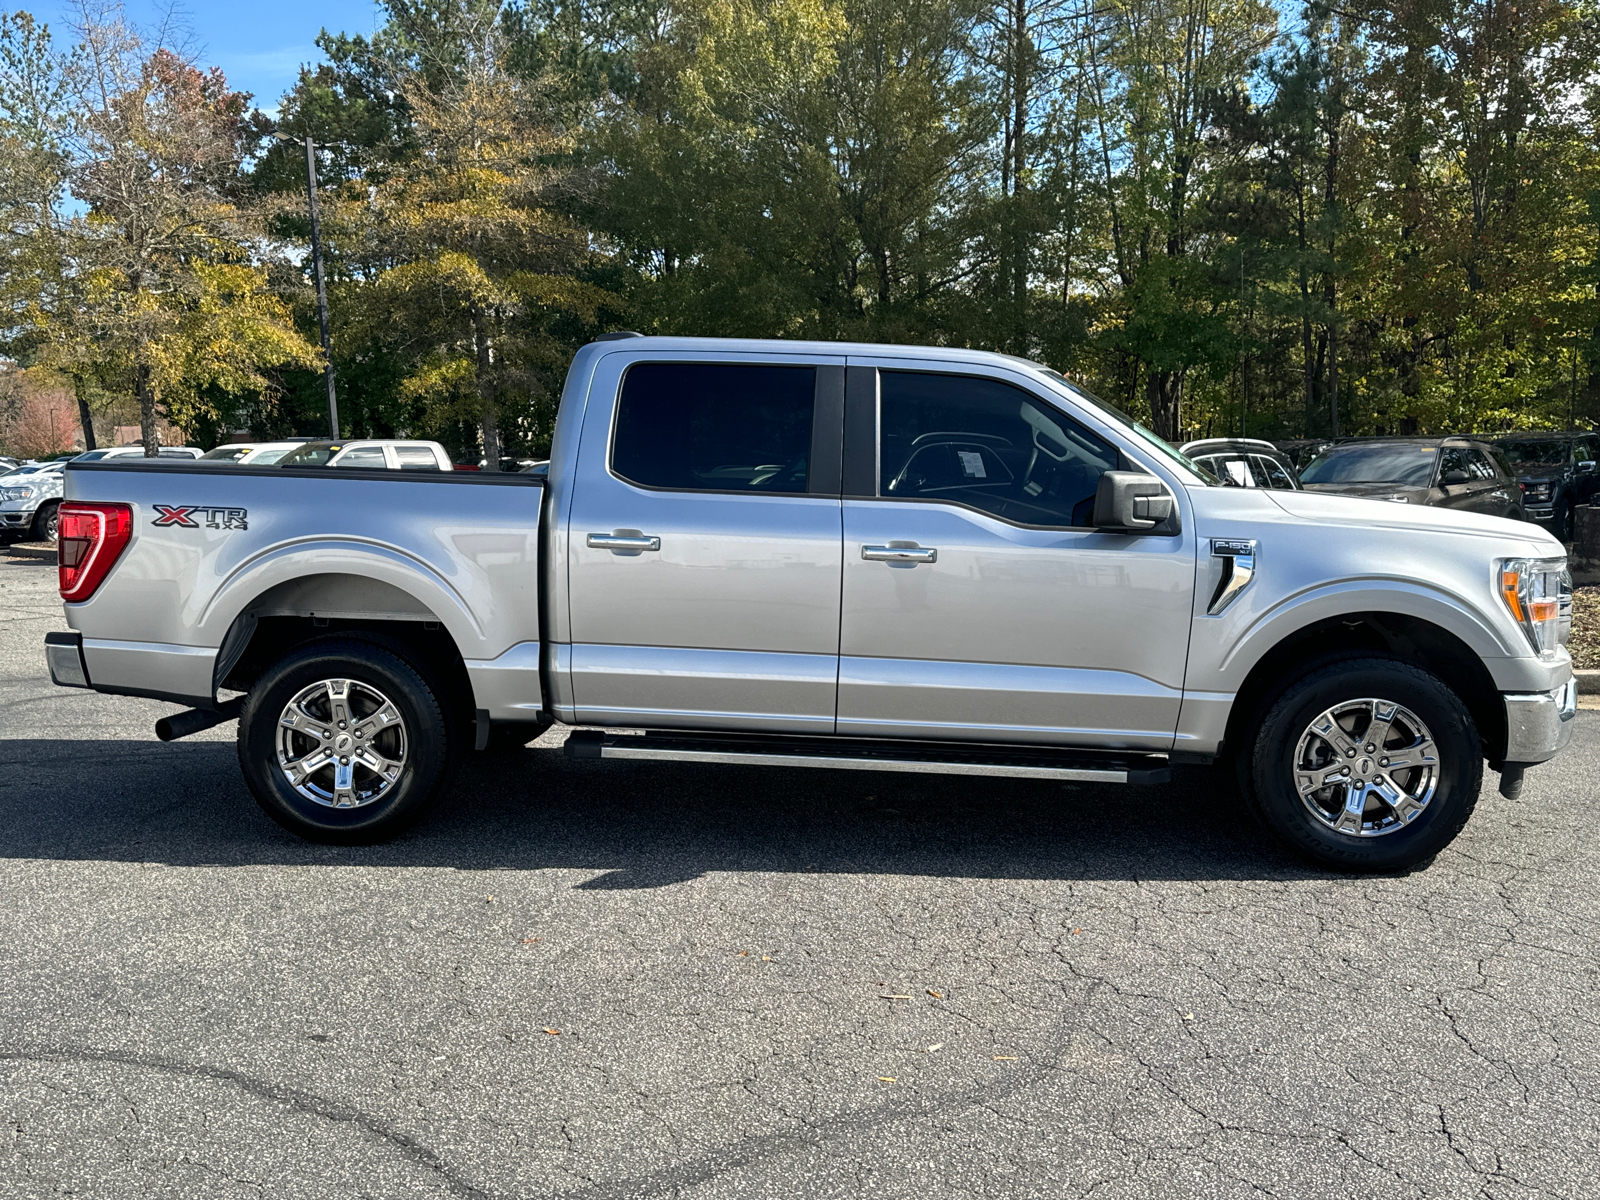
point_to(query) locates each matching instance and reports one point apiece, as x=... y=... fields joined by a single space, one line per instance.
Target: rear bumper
x=1539 y=724
x=181 y=674
x=64 y=653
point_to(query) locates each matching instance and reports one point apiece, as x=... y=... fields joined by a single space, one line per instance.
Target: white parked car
x=378 y=453
x=251 y=454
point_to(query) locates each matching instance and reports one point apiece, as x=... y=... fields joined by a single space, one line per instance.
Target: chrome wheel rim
x=341 y=743
x=1366 y=768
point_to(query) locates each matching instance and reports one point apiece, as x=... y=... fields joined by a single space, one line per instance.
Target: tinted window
x=363 y=456
x=225 y=454
x=1277 y=475
x=987 y=444
x=1455 y=458
x=417 y=458
x=1545 y=453
x=715 y=428
x=1240 y=470
x=1480 y=466
x=1584 y=449
x=1403 y=464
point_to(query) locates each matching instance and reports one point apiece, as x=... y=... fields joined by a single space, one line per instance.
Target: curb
x=47 y=551
x=1588 y=682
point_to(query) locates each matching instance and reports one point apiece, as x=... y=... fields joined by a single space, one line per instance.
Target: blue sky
x=260 y=46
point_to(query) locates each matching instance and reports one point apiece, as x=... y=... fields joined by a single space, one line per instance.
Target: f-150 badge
x=190 y=516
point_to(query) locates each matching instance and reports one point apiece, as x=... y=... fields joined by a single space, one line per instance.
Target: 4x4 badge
x=215 y=518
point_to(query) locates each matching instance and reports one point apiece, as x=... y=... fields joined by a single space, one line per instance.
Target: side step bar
x=851 y=754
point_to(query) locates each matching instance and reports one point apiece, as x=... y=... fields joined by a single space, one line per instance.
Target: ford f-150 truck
x=827 y=555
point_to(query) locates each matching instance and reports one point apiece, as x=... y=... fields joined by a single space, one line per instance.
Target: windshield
x=1404 y=465
x=1550 y=454
x=226 y=454
x=309 y=456
x=1118 y=417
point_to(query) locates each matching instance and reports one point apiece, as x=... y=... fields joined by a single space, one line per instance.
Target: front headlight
x=1537 y=493
x=1538 y=591
x=20 y=493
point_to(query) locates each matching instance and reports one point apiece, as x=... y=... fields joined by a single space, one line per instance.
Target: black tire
x=1563 y=522
x=44 y=521
x=373 y=671
x=1404 y=843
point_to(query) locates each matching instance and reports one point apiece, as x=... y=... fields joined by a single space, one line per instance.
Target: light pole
x=321 y=280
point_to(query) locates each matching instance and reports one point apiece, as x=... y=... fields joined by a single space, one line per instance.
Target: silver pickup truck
x=845 y=556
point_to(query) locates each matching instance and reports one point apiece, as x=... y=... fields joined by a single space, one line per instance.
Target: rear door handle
x=623 y=541
x=900 y=553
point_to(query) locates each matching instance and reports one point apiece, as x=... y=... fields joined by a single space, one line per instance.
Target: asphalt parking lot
x=607 y=980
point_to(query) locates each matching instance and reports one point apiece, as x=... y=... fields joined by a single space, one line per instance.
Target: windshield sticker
x=972 y=464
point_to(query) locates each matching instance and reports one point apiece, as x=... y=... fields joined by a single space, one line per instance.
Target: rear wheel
x=1563 y=520
x=1367 y=765
x=343 y=742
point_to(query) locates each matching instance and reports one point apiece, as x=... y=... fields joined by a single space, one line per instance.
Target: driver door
x=979 y=602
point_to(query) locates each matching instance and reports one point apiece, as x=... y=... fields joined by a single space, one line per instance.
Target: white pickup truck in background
x=842 y=556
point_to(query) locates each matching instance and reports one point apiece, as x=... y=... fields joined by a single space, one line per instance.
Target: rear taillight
x=89 y=540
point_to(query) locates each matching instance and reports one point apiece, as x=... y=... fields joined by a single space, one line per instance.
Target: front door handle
x=900 y=552
x=623 y=541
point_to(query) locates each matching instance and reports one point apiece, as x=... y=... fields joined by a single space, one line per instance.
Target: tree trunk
x=147 y=410
x=1164 y=390
x=486 y=399
x=86 y=419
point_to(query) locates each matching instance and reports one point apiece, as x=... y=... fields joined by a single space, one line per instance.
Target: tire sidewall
x=44 y=519
x=1455 y=737
x=427 y=742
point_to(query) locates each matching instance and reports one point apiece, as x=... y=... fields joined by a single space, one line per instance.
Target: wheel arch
x=1401 y=636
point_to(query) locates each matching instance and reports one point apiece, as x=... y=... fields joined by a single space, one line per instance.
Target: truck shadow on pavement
x=644 y=825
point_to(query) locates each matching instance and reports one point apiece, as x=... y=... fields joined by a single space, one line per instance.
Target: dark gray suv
x=1451 y=472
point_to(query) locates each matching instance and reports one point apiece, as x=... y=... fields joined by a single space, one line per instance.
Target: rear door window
x=715 y=427
x=416 y=458
x=986 y=444
x=363 y=456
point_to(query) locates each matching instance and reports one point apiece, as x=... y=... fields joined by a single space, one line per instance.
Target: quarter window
x=715 y=427
x=416 y=458
x=986 y=444
x=363 y=456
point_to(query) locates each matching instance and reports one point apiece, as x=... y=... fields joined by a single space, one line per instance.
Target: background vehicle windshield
x=1407 y=466
x=226 y=454
x=309 y=456
x=1551 y=454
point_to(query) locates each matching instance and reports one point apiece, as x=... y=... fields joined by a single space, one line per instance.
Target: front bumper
x=1539 y=724
x=12 y=519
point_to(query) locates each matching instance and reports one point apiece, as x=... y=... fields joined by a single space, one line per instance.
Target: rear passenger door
x=703 y=555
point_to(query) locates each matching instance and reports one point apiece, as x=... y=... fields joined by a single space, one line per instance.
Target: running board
x=849 y=754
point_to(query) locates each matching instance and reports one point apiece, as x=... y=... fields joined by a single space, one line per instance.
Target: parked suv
x=1243 y=462
x=1448 y=472
x=1556 y=472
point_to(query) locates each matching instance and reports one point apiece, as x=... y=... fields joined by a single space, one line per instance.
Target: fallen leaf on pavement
x=894 y=997
x=935 y=1046
x=1005 y=1058
x=886 y=1079
x=935 y=995
x=1078 y=930
x=1188 y=1016
x=553 y=1032
x=531 y=941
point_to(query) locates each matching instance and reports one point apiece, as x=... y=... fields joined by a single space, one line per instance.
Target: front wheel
x=44 y=521
x=343 y=742
x=1367 y=765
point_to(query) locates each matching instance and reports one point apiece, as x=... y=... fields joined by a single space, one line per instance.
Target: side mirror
x=1133 y=502
x=1586 y=467
x=1451 y=478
